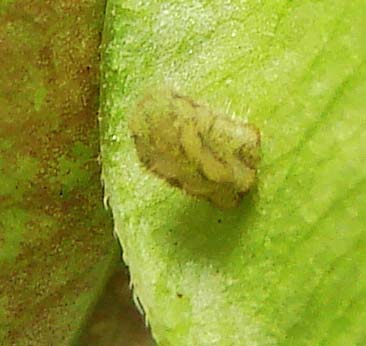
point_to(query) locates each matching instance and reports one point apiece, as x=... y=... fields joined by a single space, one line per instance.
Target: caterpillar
x=206 y=153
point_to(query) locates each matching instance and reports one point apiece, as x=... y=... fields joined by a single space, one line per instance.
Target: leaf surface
x=286 y=267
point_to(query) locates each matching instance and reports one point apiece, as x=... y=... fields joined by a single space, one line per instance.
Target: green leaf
x=288 y=266
x=55 y=236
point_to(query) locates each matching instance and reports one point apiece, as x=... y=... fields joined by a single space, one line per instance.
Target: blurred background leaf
x=56 y=245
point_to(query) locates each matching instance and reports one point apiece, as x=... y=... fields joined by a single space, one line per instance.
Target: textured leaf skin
x=55 y=237
x=287 y=267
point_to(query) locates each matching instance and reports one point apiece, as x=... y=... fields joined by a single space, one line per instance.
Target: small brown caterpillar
x=205 y=153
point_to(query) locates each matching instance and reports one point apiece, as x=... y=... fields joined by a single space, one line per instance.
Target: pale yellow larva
x=203 y=152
